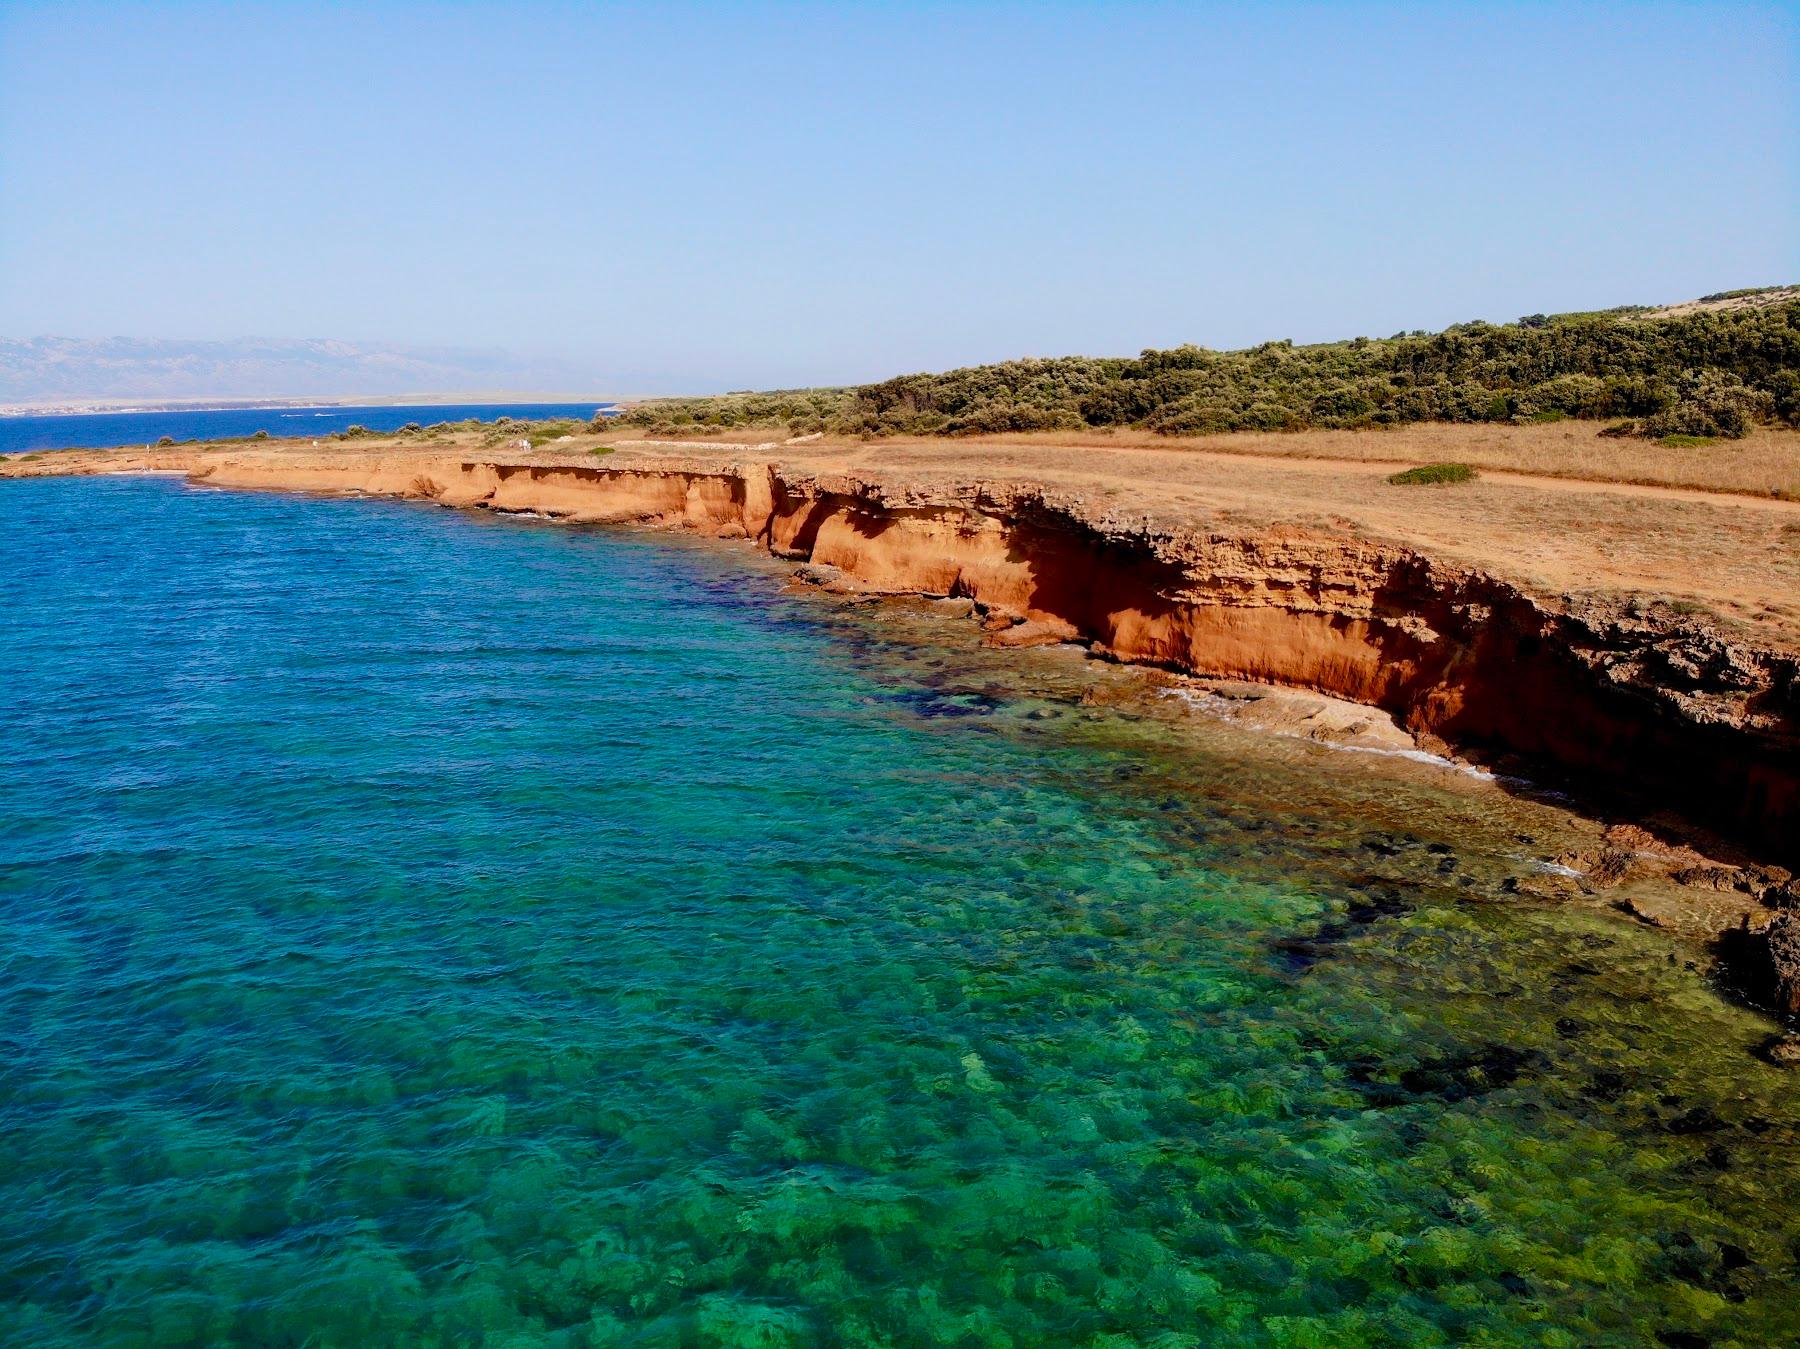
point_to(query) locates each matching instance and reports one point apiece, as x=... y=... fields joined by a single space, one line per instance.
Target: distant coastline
x=177 y=423
x=72 y=407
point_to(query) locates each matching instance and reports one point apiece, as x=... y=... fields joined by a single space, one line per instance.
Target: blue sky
x=684 y=197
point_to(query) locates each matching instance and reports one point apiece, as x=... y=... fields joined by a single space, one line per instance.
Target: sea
x=440 y=928
x=96 y=430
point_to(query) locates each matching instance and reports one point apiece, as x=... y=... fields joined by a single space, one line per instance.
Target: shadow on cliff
x=1461 y=660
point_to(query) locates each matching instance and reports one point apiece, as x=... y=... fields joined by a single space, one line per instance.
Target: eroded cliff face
x=1664 y=713
x=1635 y=707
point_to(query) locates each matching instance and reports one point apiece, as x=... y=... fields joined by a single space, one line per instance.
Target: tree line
x=1705 y=373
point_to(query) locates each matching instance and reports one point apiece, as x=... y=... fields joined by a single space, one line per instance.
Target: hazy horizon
x=705 y=197
x=52 y=370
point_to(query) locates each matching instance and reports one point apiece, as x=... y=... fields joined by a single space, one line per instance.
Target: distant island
x=70 y=374
x=479 y=397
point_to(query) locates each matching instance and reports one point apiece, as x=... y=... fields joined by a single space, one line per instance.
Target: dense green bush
x=1712 y=403
x=1432 y=473
x=1721 y=370
x=1784 y=389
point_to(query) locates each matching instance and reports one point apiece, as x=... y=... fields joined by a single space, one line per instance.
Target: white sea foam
x=1416 y=755
x=1554 y=868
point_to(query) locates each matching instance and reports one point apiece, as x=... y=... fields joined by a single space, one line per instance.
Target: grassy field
x=1765 y=462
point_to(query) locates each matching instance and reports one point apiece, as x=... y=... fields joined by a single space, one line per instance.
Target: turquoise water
x=425 y=928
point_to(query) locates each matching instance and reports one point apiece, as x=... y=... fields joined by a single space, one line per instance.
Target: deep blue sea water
x=430 y=928
x=96 y=430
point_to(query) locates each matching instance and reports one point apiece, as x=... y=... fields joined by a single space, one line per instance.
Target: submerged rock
x=1782 y=1050
x=1763 y=956
x=1683 y=1339
x=1033 y=632
x=1370 y=902
x=1701 y=1119
x=1453 y=1077
x=1606 y=1085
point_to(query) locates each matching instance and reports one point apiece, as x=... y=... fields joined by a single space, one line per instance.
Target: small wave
x=1417 y=756
x=1554 y=868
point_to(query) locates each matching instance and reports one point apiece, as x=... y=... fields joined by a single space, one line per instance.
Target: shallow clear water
x=418 y=927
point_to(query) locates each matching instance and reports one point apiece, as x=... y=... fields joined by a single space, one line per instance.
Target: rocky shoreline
x=1647 y=713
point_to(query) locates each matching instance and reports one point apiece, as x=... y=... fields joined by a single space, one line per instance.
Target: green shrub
x=1634 y=396
x=542 y=433
x=1784 y=388
x=1681 y=442
x=1432 y=473
x=1712 y=403
x=1571 y=395
x=260 y=435
x=603 y=449
x=1734 y=367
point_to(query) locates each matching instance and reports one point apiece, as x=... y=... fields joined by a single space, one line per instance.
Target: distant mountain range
x=40 y=370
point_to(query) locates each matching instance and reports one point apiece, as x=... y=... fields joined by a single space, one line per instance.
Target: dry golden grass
x=1764 y=463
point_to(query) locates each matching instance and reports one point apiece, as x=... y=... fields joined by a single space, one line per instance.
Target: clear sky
x=693 y=197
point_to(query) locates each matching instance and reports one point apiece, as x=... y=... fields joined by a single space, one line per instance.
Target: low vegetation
x=1710 y=373
x=1432 y=473
x=542 y=433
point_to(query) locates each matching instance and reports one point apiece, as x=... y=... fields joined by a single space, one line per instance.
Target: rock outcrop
x=1763 y=957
